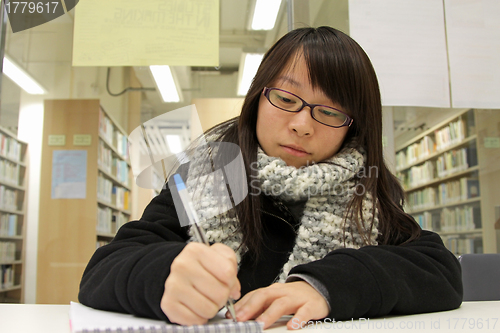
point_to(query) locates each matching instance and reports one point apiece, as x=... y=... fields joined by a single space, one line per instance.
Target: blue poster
x=69 y=174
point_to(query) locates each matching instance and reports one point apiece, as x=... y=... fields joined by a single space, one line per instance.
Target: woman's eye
x=331 y=113
x=285 y=99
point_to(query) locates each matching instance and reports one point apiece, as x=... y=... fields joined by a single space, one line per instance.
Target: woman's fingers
x=225 y=270
x=268 y=304
x=200 y=281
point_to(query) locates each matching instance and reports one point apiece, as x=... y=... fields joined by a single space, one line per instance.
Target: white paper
x=85 y=319
x=69 y=174
x=473 y=29
x=406 y=43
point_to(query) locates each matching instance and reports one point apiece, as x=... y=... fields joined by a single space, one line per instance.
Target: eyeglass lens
x=292 y=103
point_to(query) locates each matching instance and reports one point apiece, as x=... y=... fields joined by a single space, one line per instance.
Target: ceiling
x=221 y=82
x=48 y=48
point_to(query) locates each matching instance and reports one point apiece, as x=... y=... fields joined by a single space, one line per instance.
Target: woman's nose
x=302 y=123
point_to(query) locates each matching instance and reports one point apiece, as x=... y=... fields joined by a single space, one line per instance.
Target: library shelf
x=447 y=205
x=13 y=173
x=11 y=211
x=431 y=156
x=113 y=178
x=443 y=179
x=439 y=170
x=14 y=262
x=16 y=287
x=462 y=232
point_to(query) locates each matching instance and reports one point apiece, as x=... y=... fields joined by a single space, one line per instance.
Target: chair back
x=481 y=276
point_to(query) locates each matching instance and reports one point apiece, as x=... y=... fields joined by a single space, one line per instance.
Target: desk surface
x=471 y=316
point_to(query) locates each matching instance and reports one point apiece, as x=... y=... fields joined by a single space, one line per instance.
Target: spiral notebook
x=87 y=320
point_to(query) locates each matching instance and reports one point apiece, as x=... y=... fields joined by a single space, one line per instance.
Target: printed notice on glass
x=406 y=43
x=144 y=33
x=69 y=174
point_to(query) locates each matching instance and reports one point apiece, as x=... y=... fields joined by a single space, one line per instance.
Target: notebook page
x=85 y=319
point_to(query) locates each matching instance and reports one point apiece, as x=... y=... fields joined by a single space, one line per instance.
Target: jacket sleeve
x=128 y=274
x=419 y=276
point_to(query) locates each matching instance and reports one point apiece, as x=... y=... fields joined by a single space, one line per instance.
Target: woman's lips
x=295 y=151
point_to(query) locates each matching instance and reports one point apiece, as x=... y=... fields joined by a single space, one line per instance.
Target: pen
x=194 y=221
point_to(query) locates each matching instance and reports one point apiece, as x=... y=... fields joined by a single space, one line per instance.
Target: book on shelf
x=415 y=152
x=104 y=157
x=121 y=144
x=9 y=172
x=460 y=190
x=419 y=175
x=104 y=217
x=106 y=127
x=109 y=221
x=424 y=220
x=10 y=147
x=422 y=199
x=8 y=198
x=8 y=251
x=452 y=162
x=104 y=189
x=450 y=135
x=457 y=219
x=118 y=219
x=9 y=226
x=460 y=246
x=7 y=276
x=120 y=170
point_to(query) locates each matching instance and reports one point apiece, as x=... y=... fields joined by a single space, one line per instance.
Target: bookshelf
x=12 y=216
x=74 y=222
x=440 y=171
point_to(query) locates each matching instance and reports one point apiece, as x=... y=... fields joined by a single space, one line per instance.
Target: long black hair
x=340 y=68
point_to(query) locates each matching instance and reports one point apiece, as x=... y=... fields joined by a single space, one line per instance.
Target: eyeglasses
x=323 y=114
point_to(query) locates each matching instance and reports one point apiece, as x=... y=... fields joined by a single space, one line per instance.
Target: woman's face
x=296 y=137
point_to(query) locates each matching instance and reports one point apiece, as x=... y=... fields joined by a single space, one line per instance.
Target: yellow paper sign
x=143 y=33
x=492 y=142
x=57 y=140
x=82 y=139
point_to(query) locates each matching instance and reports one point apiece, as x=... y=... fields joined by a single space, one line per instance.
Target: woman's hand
x=201 y=280
x=268 y=304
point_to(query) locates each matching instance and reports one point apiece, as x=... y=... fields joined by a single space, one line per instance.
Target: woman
x=333 y=242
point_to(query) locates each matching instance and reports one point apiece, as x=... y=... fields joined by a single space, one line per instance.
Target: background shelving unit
x=440 y=172
x=71 y=229
x=13 y=165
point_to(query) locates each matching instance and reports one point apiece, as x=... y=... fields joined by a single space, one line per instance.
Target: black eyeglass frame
x=348 y=122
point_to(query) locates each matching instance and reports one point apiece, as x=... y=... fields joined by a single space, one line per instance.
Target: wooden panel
x=212 y=111
x=67 y=227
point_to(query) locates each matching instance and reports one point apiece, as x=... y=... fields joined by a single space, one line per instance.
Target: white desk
x=471 y=316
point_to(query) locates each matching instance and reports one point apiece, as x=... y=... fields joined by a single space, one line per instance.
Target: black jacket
x=128 y=275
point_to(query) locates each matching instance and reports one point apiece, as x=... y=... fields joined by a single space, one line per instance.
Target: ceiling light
x=165 y=82
x=174 y=143
x=17 y=74
x=265 y=14
x=248 y=68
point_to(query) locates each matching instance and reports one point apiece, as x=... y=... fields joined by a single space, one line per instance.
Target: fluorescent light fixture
x=174 y=143
x=265 y=14
x=248 y=68
x=165 y=82
x=20 y=77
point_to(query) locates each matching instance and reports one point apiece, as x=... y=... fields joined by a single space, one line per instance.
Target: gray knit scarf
x=327 y=188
